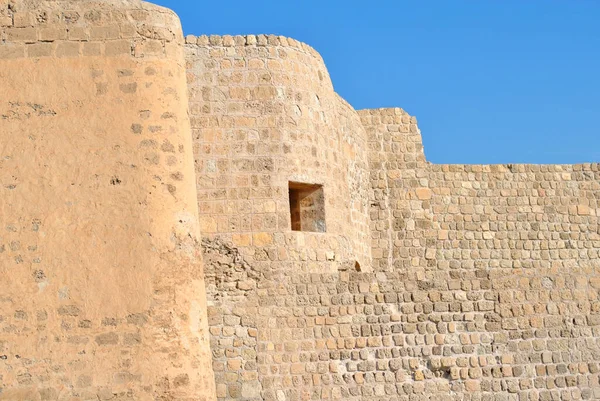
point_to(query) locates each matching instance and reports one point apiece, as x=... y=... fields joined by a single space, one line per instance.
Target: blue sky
x=490 y=81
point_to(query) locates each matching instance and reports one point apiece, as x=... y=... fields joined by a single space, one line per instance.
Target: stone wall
x=102 y=293
x=500 y=265
x=429 y=282
x=264 y=114
x=481 y=284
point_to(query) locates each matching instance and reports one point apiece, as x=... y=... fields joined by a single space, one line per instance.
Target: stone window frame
x=313 y=217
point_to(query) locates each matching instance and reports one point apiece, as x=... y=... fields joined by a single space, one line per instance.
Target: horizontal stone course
x=139 y=26
x=250 y=40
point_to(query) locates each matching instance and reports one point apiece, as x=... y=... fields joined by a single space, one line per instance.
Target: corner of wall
x=395 y=129
x=397 y=167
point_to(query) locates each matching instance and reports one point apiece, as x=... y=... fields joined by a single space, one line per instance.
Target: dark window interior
x=307 y=207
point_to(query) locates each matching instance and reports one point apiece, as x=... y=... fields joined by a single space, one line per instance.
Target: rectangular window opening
x=307 y=207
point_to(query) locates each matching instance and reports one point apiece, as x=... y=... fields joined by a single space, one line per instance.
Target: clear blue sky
x=490 y=81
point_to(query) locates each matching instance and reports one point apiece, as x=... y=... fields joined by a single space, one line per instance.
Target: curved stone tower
x=283 y=190
x=267 y=123
x=102 y=284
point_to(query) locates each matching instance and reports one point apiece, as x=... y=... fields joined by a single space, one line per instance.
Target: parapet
x=70 y=28
x=250 y=40
x=394 y=136
x=279 y=52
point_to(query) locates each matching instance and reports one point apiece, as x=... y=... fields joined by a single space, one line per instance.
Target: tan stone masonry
x=482 y=279
x=102 y=289
x=151 y=246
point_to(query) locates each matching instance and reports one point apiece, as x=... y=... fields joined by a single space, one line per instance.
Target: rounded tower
x=103 y=293
x=281 y=159
x=283 y=192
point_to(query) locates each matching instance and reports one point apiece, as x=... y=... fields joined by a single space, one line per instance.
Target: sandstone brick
x=24 y=19
x=202 y=40
x=67 y=49
x=27 y=35
x=221 y=390
x=583 y=210
x=69 y=310
x=117 y=48
x=149 y=48
x=424 y=193
x=92 y=49
x=262 y=239
x=107 y=339
x=50 y=34
x=6 y=21
x=472 y=385
x=78 y=33
x=39 y=50
x=104 y=32
x=595 y=282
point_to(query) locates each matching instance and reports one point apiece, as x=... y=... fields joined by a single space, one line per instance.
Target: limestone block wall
x=264 y=114
x=484 y=281
x=397 y=164
x=430 y=282
x=502 y=216
x=102 y=284
x=502 y=262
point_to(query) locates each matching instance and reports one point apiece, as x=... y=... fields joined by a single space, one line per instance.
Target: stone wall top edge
x=159 y=9
x=148 y=21
x=396 y=113
x=384 y=111
x=261 y=40
x=81 y=28
x=28 y=5
x=515 y=167
x=344 y=102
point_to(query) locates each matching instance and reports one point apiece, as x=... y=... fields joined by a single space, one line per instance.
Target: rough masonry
x=204 y=218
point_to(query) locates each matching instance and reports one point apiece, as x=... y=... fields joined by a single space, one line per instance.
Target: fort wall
x=505 y=262
x=264 y=114
x=102 y=284
x=251 y=209
x=482 y=280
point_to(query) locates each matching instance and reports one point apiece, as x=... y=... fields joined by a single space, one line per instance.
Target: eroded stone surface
x=478 y=283
x=101 y=275
x=429 y=282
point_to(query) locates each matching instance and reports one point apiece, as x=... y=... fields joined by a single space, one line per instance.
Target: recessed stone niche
x=307 y=207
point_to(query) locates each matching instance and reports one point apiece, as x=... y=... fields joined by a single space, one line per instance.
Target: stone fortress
x=204 y=218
